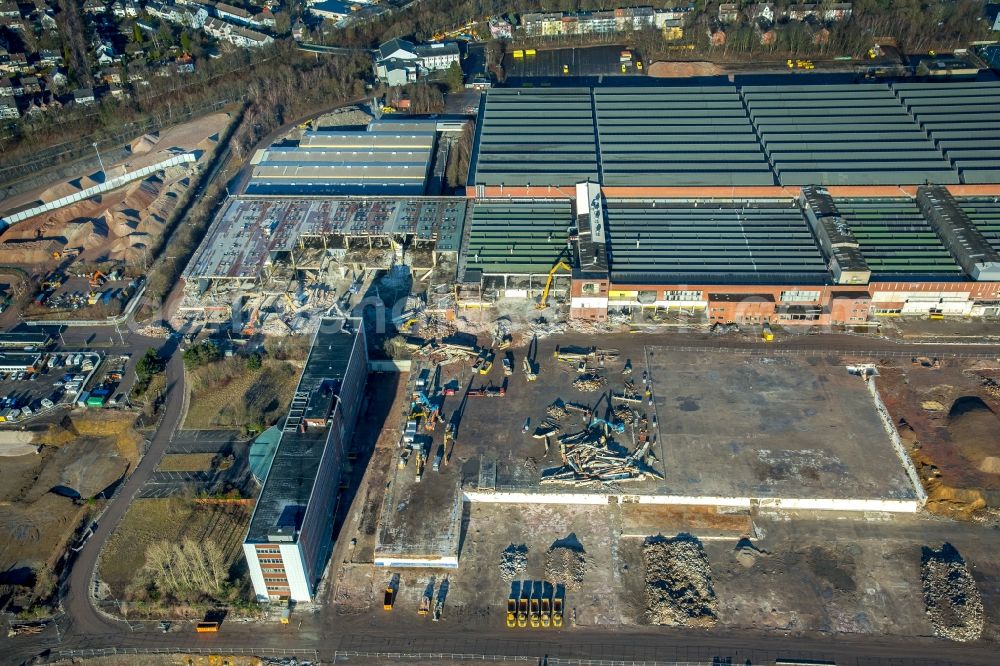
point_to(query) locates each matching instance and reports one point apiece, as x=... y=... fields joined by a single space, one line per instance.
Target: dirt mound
x=566 y=564
x=679 y=588
x=666 y=70
x=141 y=194
x=951 y=599
x=144 y=144
x=974 y=429
x=513 y=562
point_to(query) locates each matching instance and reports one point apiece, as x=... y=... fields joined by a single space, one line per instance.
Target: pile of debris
x=719 y=328
x=557 y=410
x=679 y=588
x=543 y=329
x=951 y=599
x=589 y=383
x=513 y=562
x=154 y=331
x=587 y=458
x=625 y=414
x=567 y=565
x=991 y=387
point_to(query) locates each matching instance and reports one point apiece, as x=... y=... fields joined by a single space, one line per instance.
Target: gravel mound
x=565 y=565
x=951 y=599
x=679 y=583
x=513 y=562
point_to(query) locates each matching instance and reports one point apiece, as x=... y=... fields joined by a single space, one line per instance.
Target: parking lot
x=67 y=292
x=32 y=383
x=589 y=61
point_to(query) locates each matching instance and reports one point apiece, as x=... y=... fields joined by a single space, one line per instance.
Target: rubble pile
x=951 y=600
x=556 y=410
x=678 y=579
x=513 y=562
x=154 y=331
x=589 y=383
x=587 y=458
x=625 y=414
x=566 y=565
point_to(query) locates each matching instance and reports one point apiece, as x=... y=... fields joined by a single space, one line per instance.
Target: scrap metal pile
x=591 y=455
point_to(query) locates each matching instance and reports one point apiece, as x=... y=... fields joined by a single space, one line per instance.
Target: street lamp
x=103 y=172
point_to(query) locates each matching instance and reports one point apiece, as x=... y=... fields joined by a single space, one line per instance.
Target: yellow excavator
x=548 y=283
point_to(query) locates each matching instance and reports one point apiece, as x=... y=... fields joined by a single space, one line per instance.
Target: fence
x=114 y=183
x=252 y=652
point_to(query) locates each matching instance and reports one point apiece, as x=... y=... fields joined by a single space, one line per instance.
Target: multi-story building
x=400 y=62
x=290 y=537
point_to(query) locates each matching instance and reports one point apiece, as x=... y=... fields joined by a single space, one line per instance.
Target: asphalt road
x=83 y=628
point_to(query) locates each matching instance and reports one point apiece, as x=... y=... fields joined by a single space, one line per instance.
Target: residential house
x=8 y=108
x=15 y=24
x=118 y=9
x=236 y=15
x=396 y=72
x=48 y=22
x=84 y=96
x=542 y=25
x=14 y=63
x=31 y=85
x=6 y=88
x=236 y=35
x=991 y=12
x=93 y=7
x=762 y=12
x=116 y=91
x=112 y=75
x=673 y=29
x=299 y=30
x=56 y=80
x=105 y=54
x=838 y=11
x=729 y=12
x=660 y=16
x=266 y=18
x=501 y=29
x=633 y=18
x=9 y=9
x=49 y=58
x=132 y=8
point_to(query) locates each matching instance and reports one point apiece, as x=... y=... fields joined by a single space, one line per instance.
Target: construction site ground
x=42 y=495
x=806 y=572
x=730 y=425
x=947 y=416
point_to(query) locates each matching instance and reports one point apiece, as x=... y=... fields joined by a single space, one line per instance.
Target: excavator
x=543 y=303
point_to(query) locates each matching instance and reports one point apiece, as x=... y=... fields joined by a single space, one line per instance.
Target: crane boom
x=548 y=283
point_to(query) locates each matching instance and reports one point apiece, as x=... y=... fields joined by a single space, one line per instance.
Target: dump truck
x=425 y=605
x=529 y=372
x=535 y=613
x=767 y=335
x=206 y=627
x=487 y=364
x=519 y=54
x=530 y=52
x=508 y=367
x=557 y=612
x=522 y=608
x=286 y=615
x=389 y=600
x=511 y=612
x=546 y=612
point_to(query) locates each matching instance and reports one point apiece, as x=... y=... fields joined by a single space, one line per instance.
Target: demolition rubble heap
x=951 y=600
x=679 y=588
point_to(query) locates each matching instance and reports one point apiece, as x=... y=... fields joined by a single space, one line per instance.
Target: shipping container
x=82 y=400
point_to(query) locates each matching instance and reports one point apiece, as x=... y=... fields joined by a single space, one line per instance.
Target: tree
x=201 y=354
x=254 y=361
x=454 y=78
x=150 y=364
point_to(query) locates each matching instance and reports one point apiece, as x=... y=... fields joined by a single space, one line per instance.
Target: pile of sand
x=667 y=70
x=144 y=144
x=975 y=432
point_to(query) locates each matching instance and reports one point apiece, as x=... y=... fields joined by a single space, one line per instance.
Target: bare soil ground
x=947 y=416
x=174 y=519
x=667 y=70
x=42 y=496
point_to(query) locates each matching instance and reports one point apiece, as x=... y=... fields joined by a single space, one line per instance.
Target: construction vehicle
x=286 y=615
x=535 y=618
x=625 y=56
x=565 y=69
x=449 y=439
x=487 y=364
x=97 y=279
x=638 y=65
x=92 y=298
x=511 y=612
x=425 y=605
x=53 y=281
x=206 y=627
x=767 y=335
x=617 y=426
x=519 y=54
x=530 y=52
x=557 y=612
x=529 y=371
x=522 y=608
x=548 y=283
x=508 y=367
x=389 y=600
x=419 y=461
x=624 y=68
x=546 y=613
